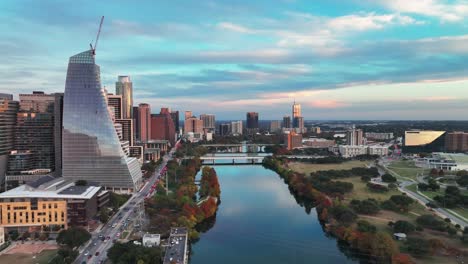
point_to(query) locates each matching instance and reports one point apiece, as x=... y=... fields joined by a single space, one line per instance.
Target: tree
x=369 y=206
x=73 y=237
x=434 y=173
x=431 y=222
x=131 y=253
x=343 y=214
x=463 y=180
x=103 y=215
x=383 y=247
x=402 y=201
x=423 y=186
x=388 y=178
x=417 y=246
x=403 y=227
x=13 y=234
x=366 y=227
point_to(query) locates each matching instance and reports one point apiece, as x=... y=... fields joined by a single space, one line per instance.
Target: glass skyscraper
x=91 y=147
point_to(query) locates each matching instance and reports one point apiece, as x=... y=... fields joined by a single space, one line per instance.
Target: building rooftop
x=49 y=187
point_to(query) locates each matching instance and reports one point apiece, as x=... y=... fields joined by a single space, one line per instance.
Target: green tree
x=73 y=237
x=402 y=226
x=364 y=226
x=388 y=178
x=417 y=246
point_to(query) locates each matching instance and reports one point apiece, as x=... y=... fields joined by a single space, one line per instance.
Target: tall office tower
x=287 y=122
x=91 y=149
x=144 y=122
x=58 y=122
x=296 y=110
x=136 y=123
x=354 y=137
x=175 y=119
x=252 y=122
x=236 y=128
x=8 y=110
x=127 y=130
x=193 y=125
x=208 y=121
x=275 y=126
x=115 y=103
x=456 y=142
x=162 y=126
x=188 y=114
x=299 y=124
x=124 y=87
x=35 y=129
x=224 y=129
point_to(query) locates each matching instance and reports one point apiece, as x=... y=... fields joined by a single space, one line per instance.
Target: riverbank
x=342 y=217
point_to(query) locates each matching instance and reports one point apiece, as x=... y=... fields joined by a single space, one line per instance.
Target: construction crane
x=97 y=37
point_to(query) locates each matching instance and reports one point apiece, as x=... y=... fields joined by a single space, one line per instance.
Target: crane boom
x=97 y=37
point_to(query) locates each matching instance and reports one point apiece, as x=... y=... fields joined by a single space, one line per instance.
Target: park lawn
x=124 y=234
x=307 y=168
x=406 y=169
x=43 y=258
x=361 y=192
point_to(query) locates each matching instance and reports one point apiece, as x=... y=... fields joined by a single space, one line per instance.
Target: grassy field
x=406 y=169
x=361 y=192
x=43 y=258
x=307 y=168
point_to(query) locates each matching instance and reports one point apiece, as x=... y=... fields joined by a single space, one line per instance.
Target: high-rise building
x=188 y=114
x=175 y=119
x=287 y=122
x=224 y=129
x=35 y=129
x=124 y=87
x=115 y=103
x=275 y=126
x=193 y=125
x=144 y=122
x=8 y=111
x=162 y=126
x=354 y=137
x=456 y=142
x=127 y=130
x=296 y=110
x=299 y=124
x=208 y=121
x=292 y=140
x=236 y=128
x=58 y=122
x=252 y=122
x=136 y=123
x=91 y=149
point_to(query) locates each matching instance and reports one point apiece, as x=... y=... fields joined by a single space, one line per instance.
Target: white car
x=86 y=253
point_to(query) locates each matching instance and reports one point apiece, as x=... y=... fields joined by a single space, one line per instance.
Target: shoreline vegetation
x=180 y=205
x=349 y=220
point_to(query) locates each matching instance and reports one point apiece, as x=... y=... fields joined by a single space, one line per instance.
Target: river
x=259 y=221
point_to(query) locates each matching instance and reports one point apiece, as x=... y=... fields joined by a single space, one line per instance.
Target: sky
x=340 y=59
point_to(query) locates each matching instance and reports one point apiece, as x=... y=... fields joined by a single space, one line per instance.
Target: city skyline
x=365 y=60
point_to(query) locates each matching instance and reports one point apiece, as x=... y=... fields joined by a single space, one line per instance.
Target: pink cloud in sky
x=328 y=104
x=438 y=98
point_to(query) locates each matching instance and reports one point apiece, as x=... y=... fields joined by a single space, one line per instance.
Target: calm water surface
x=259 y=221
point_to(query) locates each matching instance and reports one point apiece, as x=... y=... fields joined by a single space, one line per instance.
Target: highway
x=95 y=251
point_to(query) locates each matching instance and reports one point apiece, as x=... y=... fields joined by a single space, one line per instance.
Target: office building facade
x=424 y=141
x=193 y=125
x=115 y=104
x=354 y=137
x=293 y=140
x=456 y=142
x=287 y=122
x=208 y=121
x=236 y=128
x=275 y=126
x=144 y=122
x=252 y=122
x=91 y=147
x=8 y=112
x=124 y=87
x=176 y=120
x=162 y=126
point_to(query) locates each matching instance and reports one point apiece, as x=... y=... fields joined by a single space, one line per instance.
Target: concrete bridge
x=236 y=148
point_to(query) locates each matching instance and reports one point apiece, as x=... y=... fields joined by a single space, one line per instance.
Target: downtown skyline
x=364 y=60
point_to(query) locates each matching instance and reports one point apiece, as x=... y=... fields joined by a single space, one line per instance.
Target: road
x=441 y=212
x=115 y=225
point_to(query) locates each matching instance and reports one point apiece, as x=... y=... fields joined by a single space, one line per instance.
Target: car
x=97 y=253
x=86 y=253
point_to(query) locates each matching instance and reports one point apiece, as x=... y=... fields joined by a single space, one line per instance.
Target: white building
x=151 y=240
x=348 y=151
x=378 y=150
x=236 y=128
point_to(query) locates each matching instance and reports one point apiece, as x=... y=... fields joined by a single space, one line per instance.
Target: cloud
x=369 y=21
x=452 y=12
x=327 y=104
x=235 y=28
